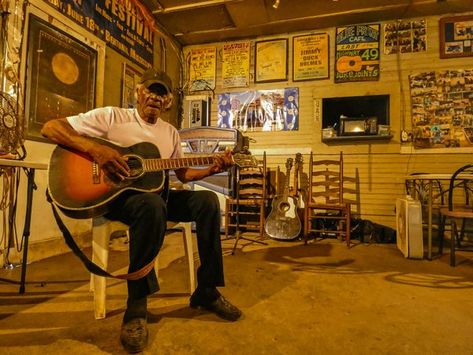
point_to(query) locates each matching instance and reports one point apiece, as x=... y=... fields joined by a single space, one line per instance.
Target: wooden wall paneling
x=381 y=166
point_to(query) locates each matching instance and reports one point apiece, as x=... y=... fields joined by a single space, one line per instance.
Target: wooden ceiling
x=204 y=21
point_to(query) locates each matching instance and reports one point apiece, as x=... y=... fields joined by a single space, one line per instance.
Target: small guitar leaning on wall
x=283 y=222
x=82 y=190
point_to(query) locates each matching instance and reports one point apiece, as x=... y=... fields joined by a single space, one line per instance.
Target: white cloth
x=125 y=127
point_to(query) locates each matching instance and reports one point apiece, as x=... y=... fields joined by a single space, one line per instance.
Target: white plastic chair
x=102 y=229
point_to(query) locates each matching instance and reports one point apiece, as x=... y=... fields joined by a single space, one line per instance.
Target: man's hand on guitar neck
x=110 y=161
x=221 y=162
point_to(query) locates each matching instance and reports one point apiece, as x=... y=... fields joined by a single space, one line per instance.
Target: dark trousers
x=147 y=213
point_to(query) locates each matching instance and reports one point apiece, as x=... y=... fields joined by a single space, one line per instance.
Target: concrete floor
x=317 y=299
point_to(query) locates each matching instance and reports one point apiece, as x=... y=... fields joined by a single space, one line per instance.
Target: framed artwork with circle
x=60 y=77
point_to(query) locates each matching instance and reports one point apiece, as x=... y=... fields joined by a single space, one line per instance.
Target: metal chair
x=325 y=202
x=460 y=206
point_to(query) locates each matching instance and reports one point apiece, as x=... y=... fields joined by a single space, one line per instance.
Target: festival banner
x=124 y=25
x=236 y=65
x=357 y=53
x=310 y=57
x=202 y=68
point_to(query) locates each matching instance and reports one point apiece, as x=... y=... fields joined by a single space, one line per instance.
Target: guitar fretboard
x=171 y=164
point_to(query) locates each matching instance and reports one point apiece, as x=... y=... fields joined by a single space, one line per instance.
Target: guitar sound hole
x=284 y=207
x=136 y=168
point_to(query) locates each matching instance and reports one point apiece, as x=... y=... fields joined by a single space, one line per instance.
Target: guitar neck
x=176 y=163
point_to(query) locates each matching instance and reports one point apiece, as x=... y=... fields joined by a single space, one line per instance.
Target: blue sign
x=122 y=24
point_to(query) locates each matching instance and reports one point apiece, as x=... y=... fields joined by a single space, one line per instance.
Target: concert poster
x=357 y=53
x=61 y=76
x=236 y=64
x=202 y=68
x=310 y=57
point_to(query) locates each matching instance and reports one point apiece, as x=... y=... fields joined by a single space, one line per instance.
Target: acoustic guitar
x=82 y=190
x=355 y=63
x=299 y=187
x=283 y=222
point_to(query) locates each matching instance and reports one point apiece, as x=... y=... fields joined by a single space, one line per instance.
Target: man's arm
x=61 y=132
x=221 y=162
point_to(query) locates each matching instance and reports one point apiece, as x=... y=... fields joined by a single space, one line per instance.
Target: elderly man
x=145 y=212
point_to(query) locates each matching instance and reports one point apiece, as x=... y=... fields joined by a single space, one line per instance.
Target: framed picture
x=310 y=57
x=61 y=76
x=456 y=36
x=130 y=79
x=271 y=60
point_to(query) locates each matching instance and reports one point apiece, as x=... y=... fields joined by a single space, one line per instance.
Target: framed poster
x=236 y=64
x=456 y=36
x=271 y=60
x=130 y=78
x=202 y=68
x=310 y=57
x=61 y=75
x=357 y=53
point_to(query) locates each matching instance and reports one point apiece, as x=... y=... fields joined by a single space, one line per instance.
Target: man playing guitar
x=147 y=212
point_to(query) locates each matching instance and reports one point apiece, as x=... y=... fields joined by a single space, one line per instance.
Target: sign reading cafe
x=125 y=25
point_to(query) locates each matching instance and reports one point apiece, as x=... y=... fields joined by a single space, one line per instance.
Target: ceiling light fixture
x=276 y=4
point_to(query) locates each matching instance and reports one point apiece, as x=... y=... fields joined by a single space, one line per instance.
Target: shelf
x=341 y=139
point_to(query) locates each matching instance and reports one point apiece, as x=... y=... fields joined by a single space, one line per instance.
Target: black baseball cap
x=153 y=76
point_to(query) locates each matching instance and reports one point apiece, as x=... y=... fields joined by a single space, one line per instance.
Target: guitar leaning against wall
x=283 y=222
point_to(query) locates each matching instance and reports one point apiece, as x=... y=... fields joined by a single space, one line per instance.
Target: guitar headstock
x=289 y=163
x=245 y=160
x=299 y=162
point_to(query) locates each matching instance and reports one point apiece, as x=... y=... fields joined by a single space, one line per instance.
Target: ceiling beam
x=192 y=6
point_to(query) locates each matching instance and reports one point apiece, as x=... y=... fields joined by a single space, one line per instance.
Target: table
x=429 y=179
x=30 y=168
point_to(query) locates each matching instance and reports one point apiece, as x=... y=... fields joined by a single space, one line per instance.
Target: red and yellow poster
x=236 y=65
x=310 y=57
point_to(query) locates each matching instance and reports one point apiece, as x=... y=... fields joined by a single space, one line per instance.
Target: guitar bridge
x=95 y=173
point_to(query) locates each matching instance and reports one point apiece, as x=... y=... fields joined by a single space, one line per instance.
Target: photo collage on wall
x=442 y=108
x=261 y=110
x=405 y=36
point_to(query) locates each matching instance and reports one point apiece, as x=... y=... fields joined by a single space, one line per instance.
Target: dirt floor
x=320 y=298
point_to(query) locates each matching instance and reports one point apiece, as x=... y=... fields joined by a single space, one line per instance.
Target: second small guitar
x=283 y=222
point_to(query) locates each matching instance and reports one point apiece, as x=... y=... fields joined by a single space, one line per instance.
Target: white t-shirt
x=125 y=127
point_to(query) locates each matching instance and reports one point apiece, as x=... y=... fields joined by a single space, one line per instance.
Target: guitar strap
x=89 y=264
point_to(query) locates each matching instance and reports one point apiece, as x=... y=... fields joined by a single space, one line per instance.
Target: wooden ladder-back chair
x=460 y=206
x=246 y=211
x=325 y=201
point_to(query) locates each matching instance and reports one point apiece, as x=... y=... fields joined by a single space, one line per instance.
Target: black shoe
x=134 y=335
x=221 y=307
